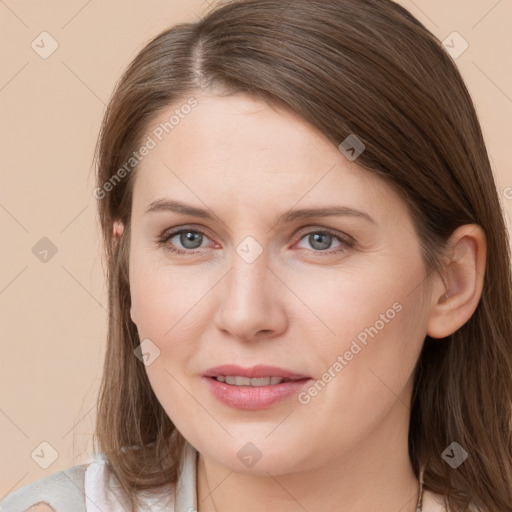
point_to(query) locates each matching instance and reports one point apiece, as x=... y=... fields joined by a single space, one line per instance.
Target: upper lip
x=253 y=372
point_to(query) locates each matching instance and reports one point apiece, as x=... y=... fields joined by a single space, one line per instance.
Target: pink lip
x=249 y=397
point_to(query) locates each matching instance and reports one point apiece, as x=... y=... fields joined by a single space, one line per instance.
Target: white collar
x=186 y=487
x=182 y=497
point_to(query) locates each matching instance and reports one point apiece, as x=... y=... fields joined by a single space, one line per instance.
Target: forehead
x=244 y=151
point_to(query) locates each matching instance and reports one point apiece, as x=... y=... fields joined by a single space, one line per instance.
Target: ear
x=117 y=228
x=455 y=294
x=117 y=231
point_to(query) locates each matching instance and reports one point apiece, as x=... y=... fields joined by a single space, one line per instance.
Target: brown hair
x=363 y=67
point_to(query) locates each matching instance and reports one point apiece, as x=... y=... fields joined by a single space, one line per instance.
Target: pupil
x=316 y=237
x=190 y=236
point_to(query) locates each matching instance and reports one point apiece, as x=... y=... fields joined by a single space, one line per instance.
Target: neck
x=376 y=474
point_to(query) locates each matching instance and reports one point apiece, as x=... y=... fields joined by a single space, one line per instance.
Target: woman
x=309 y=274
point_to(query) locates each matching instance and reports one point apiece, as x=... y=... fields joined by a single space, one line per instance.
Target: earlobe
x=132 y=315
x=456 y=295
x=117 y=229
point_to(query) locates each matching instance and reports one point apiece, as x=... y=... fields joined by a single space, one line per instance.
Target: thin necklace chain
x=209 y=490
x=419 y=506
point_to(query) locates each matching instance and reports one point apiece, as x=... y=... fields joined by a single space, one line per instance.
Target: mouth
x=237 y=380
x=253 y=388
x=260 y=375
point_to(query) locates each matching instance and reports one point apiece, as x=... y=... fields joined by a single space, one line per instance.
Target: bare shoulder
x=61 y=492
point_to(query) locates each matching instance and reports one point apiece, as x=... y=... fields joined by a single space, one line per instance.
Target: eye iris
x=190 y=236
x=313 y=239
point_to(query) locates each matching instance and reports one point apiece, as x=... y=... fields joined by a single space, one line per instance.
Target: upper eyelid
x=172 y=232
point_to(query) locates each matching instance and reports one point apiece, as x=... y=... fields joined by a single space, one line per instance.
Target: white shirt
x=172 y=498
x=179 y=498
x=92 y=488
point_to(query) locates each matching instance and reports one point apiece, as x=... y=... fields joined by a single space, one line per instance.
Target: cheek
x=164 y=302
x=365 y=371
x=357 y=301
x=373 y=327
x=164 y=297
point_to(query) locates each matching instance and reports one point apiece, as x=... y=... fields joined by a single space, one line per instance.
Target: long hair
x=363 y=67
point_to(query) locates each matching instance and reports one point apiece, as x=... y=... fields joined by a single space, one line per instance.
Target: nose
x=251 y=301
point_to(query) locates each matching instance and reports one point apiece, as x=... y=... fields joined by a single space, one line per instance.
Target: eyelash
x=347 y=243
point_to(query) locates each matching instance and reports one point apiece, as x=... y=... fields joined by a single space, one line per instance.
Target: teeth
x=245 y=381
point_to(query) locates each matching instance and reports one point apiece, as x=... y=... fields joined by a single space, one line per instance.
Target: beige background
x=53 y=316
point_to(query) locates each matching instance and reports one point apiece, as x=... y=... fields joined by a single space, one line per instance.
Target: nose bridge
x=249 y=300
x=249 y=261
x=248 y=281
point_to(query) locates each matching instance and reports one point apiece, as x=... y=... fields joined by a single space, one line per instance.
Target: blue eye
x=319 y=240
x=191 y=240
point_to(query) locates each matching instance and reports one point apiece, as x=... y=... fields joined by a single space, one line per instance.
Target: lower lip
x=252 y=397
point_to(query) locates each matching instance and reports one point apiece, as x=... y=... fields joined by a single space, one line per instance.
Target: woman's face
x=336 y=301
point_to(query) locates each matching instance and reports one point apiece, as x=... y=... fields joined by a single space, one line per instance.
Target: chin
x=258 y=458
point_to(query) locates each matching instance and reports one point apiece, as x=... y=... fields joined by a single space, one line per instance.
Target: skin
x=41 y=507
x=298 y=306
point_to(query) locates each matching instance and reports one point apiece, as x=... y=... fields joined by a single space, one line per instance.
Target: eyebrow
x=290 y=216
